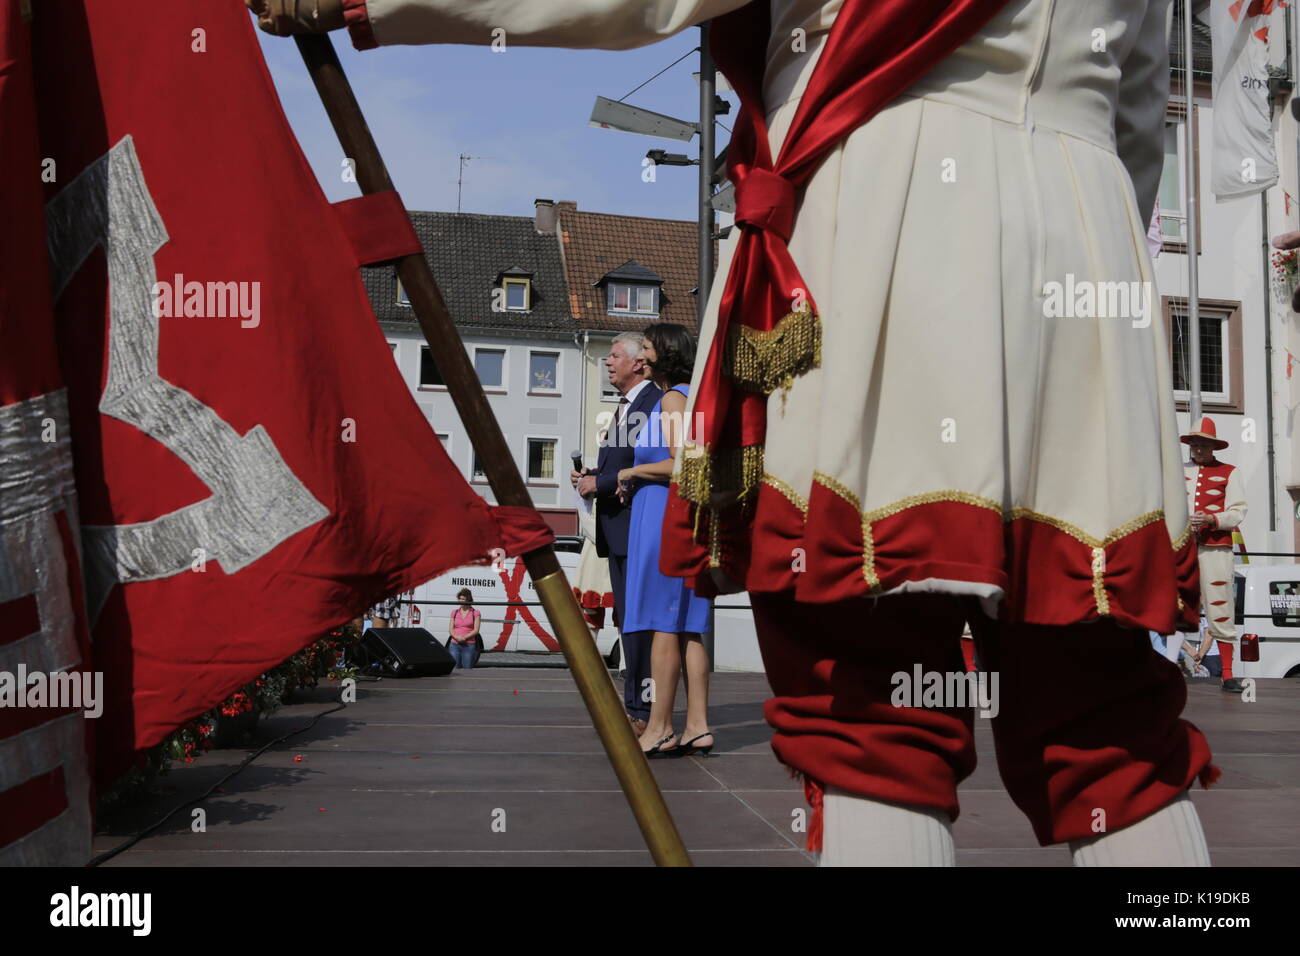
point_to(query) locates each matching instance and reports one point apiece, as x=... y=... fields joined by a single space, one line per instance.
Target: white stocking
x=1171 y=836
x=859 y=831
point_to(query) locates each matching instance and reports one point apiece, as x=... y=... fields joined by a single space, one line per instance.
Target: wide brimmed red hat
x=1206 y=431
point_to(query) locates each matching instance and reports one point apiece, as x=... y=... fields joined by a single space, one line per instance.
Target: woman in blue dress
x=654 y=601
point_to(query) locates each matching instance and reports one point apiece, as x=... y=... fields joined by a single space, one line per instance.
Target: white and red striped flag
x=45 y=789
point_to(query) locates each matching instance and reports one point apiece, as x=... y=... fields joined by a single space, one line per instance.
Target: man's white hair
x=634 y=343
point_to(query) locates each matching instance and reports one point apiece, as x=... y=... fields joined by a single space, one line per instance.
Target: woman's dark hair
x=464 y=593
x=674 y=352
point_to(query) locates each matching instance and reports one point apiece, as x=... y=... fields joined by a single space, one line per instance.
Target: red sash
x=768 y=330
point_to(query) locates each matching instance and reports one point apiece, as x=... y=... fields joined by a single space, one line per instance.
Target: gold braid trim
x=1099 y=581
x=1074 y=531
x=1097 y=545
x=766 y=361
x=964 y=497
x=1124 y=530
x=1181 y=540
x=791 y=495
x=869 y=556
x=821 y=478
x=868 y=538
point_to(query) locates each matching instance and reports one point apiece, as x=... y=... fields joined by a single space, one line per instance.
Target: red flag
x=45 y=793
x=251 y=468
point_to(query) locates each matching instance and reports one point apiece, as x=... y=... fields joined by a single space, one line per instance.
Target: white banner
x=1244 y=161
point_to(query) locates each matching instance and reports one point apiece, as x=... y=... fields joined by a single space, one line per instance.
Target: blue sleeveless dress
x=654 y=601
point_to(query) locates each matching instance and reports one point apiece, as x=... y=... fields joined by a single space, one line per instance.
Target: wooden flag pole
x=589 y=672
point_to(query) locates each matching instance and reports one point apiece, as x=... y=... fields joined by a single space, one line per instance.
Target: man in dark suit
x=627 y=373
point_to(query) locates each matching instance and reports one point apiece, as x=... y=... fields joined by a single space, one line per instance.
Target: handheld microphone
x=577 y=461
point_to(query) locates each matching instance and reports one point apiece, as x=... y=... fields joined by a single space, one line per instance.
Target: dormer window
x=514 y=292
x=639 y=299
x=632 y=289
x=517 y=294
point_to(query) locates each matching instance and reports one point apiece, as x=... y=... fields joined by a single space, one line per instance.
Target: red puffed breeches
x=1085 y=717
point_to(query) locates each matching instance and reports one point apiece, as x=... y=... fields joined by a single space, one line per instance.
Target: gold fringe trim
x=760 y=361
x=733 y=471
x=715 y=540
x=766 y=361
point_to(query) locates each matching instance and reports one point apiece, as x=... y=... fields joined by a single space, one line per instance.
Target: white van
x=1268 y=606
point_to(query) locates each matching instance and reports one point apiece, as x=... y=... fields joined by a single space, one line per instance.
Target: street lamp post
x=615 y=114
x=708 y=103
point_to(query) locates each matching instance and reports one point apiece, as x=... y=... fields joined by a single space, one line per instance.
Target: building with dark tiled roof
x=537 y=301
x=505 y=287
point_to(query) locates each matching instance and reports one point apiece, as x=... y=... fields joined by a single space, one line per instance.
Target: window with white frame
x=541 y=459
x=543 y=371
x=477 y=473
x=633 y=299
x=402 y=297
x=491 y=367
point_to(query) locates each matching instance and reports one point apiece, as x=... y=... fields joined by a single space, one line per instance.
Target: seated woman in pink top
x=464 y=630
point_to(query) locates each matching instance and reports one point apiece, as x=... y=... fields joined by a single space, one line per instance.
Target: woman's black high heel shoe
x=689 y=748
x=657 y=750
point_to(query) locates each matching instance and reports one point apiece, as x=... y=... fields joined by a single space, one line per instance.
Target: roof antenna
x=460 y=177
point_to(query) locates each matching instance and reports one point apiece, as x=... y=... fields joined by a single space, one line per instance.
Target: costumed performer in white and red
x=1217 y=503
x=901 y=432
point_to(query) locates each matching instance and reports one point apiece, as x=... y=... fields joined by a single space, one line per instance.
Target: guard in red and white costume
x=903 y=428
x=1217 y=504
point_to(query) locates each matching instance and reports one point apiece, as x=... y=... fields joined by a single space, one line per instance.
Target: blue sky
x=524 y=110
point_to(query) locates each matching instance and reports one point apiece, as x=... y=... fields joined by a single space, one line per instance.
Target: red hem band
x=1048 y=575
